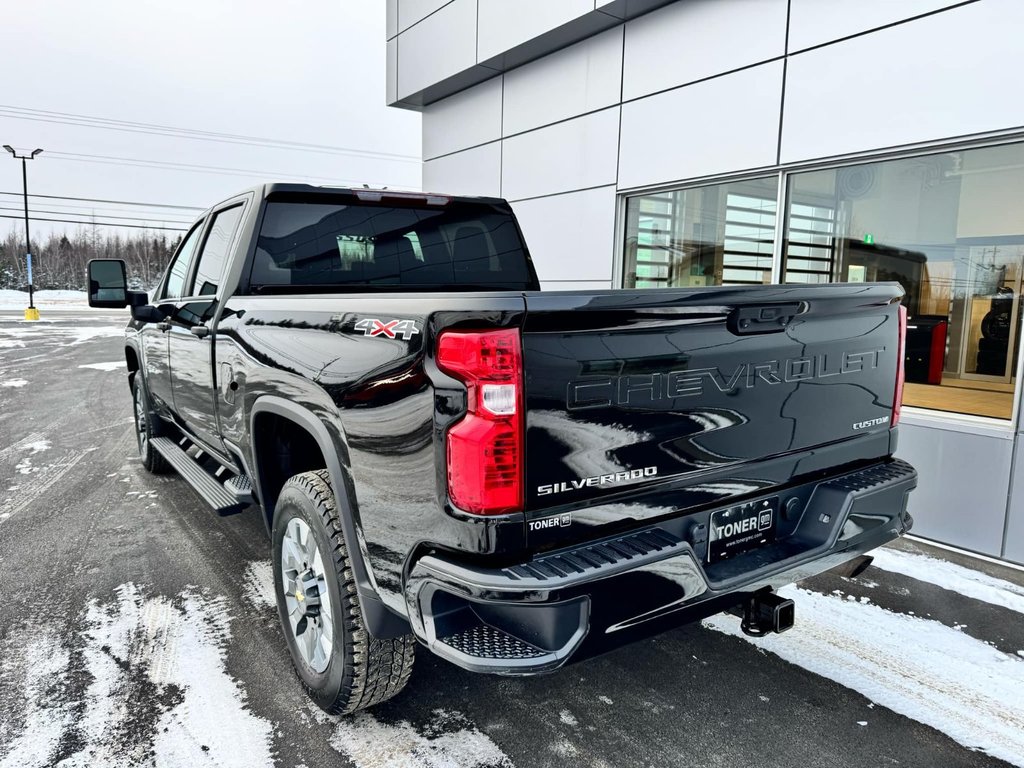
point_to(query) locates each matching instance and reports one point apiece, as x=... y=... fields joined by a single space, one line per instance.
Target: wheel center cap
x=307 y=592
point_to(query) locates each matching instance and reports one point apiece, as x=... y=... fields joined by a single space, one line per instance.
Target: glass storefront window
x=950 y=228
x=722 y=234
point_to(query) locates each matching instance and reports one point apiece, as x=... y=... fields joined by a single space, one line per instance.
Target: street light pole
x=31 y=313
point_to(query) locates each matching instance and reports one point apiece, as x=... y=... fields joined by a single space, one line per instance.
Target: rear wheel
x=146 y=428
x=341 y=666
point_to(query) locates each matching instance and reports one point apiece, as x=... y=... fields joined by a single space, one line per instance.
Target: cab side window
x=179 y=265
x=215 y=252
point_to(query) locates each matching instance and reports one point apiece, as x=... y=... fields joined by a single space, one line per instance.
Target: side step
x=226 y=499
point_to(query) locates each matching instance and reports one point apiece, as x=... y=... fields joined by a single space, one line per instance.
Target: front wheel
x=145 y=423
x=341 y=666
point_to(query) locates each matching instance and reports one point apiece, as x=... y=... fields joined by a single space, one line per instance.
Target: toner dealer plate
x=740 y=529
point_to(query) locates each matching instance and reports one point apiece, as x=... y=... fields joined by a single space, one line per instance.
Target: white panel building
x=652 y=143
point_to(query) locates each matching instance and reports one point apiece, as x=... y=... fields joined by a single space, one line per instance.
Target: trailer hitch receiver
x=766 y=612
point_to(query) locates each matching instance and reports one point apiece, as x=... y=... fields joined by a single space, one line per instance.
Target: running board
x=226 y=498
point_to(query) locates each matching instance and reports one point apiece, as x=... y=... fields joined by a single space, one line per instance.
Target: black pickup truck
x=516 y=479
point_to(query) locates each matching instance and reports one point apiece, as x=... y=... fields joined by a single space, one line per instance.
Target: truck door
x=154 y=335
x=190 y=346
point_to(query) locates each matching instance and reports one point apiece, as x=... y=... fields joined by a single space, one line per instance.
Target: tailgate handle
x=768 y=318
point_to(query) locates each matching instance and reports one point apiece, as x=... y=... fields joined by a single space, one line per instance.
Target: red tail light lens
x=485 y=447
x=901 y=347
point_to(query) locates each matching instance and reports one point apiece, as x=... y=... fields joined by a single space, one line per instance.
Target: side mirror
x=108 y=284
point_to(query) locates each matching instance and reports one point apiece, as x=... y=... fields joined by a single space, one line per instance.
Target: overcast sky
x=311 y=72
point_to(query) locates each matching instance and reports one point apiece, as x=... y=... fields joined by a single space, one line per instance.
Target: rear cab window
x=328 y=243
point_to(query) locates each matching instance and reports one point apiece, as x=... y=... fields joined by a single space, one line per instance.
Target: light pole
x=31 y=313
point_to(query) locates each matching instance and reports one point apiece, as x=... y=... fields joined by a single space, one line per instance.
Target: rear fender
x=381 y=621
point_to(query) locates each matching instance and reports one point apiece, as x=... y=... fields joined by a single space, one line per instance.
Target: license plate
x=740 y=529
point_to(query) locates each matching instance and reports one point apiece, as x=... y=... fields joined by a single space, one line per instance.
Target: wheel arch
x=271 y=411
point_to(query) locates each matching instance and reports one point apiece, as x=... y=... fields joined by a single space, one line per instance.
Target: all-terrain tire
x=361 y=671
x=147 y=426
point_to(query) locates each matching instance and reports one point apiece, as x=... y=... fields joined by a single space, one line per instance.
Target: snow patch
x=902 y=662
x=448 y=740
x=157 y=692
x=111 y=366
x=81 y=335
x=258 y=587
x=567 y=717
x=30 y=665
x=37 y=446
x=564 y=748
x=15 y=383
x=11 y=343
x=955 y=578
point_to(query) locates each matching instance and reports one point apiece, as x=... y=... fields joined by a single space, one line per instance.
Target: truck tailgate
x=697 y=387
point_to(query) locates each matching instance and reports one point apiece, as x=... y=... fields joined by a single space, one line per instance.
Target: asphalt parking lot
x=137 y=628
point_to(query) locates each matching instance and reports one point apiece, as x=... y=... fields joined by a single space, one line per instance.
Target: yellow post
x=31 y=313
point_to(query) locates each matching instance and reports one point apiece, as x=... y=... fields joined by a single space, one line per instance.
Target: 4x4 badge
x=390 y=329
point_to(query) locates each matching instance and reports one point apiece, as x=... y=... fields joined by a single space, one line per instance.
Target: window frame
x=619 y=269
x=193 y=272
x=160 y=295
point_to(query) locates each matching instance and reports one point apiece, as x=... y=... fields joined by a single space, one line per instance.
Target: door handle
x=200 y=331
x=165 y=326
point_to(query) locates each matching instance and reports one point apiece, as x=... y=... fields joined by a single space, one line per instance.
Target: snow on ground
x=955 y=578
x=143 y=684
x=258 y=586
x=114 y=365
x=29 y=334
x=15 y=383
x=449 y=740
x=11 y=299
x=903 y=663
x=99 y=332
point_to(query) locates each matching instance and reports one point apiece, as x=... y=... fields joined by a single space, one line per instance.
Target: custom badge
x=388 y=329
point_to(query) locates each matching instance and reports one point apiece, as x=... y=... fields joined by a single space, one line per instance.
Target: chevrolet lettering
x=656 y=386
x=444 y=455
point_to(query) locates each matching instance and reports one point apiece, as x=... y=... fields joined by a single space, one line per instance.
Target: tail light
x=485 y=447
x=901 y=364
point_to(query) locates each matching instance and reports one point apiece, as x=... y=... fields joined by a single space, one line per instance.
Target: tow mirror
x=108 y=284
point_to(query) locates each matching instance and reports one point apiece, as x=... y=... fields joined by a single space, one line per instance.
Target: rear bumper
x=571 y=604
